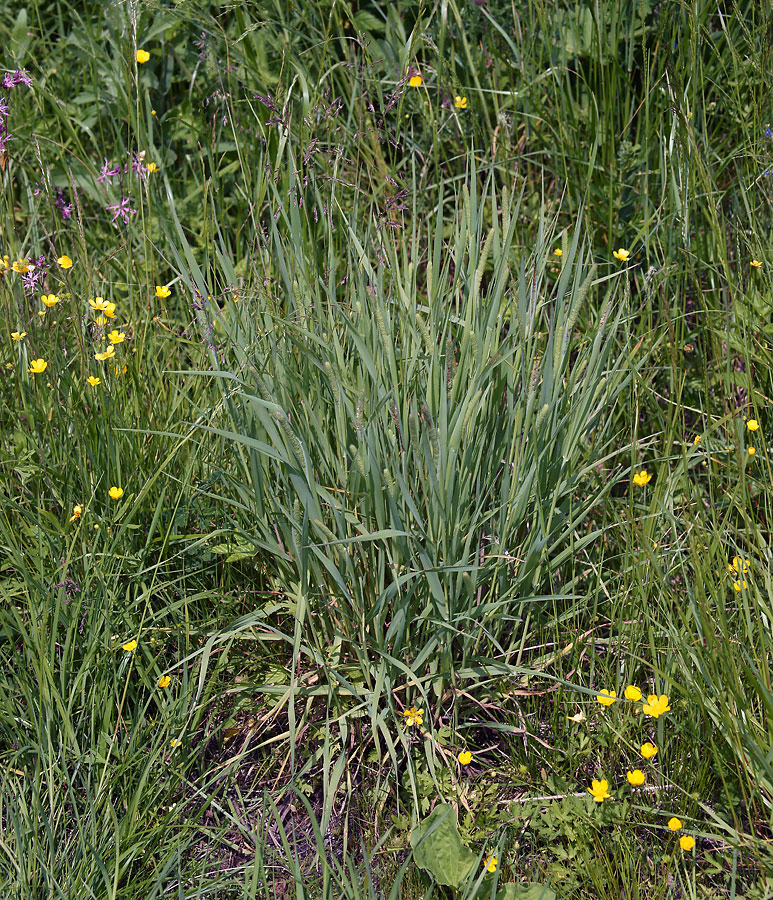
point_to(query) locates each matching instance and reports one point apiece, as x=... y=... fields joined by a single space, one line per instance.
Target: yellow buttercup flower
x=415 y=81
x=632 y=693
x=696 y=439
x=465 y=757
x=99 y=304
x=738 y=565
x=752 y=424
x=76 y=512
x=740 y=585
x=18 y=335
x=152 y=167
x=65 y=262
x=37 y=366
x=174 y=743
x=116 y=336
x=757 y=263
x=558 y=252
x=636 y=778
x=93 y=381
x=656 y=706
x=162 y=291
x=49 y=300
x=622 y=254
x=686 y=842
x=142 y=56
x=115 y=493
x=490 y=862
x=413 y=716
x=107 y=354
x=130 y=647
x=21 y=266
x=599 y=790
x=606 y=698
x=674 y=824
x=648 y=750
x=460 y=102
x=642 y=478
x=109 y=310
x=164 y=681
x=751 y=451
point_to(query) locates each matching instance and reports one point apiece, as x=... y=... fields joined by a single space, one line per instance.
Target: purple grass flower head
x=202 y=46
x=106 y=173
x=68 y=583
x=121 y=210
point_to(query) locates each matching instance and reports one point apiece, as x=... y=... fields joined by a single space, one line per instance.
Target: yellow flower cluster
x=21 y=266
x=654 y=707
x=737 y=569
x=106 y=310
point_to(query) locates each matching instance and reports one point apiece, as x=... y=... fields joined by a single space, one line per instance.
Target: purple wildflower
x=106 y=173
x=137 y=165
x=121 y=210
x=20 y=76
x=65 y=208
x=4 y=110
x=30 y=280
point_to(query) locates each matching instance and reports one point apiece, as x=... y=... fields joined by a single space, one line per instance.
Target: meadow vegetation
x=385 y=486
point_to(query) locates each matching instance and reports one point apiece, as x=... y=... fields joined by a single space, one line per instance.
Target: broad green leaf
x=526 y=891
x=438 y=848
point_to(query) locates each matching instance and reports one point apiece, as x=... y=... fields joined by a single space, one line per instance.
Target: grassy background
x=377 y=447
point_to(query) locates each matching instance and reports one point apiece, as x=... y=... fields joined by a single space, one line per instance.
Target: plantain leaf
x=438 y=848
x=523 y=891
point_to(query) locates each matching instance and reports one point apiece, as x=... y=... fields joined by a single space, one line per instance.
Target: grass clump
x=385 y=479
